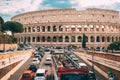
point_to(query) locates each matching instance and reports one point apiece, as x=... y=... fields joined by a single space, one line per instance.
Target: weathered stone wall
x=8 y=46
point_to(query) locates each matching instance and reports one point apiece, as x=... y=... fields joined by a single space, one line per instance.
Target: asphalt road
x=17 y=75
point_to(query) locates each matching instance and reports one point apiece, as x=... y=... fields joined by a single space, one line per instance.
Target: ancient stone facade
x=66 y=26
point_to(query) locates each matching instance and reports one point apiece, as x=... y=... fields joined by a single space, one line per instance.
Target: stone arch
x=43 y=39
x=60 y=39
x=33 y=29
x=38 y=28
x=48 y=39
x=25 y=29
x=103 y=39
x=54 y=39
x=86 y=38
x=108 y=39
x=43 y=28
x=73 y=39
x=21 y=39
x=79 y=39
x=97 y=48
x=97 y=39
x=25 y=40
x=49 y=28
x=92 y=39
x=33 y=39
x=54 y=28
x=116 y=38
x=66 y=39
x=29 y=39
x=112 y=39
x=38 y=39
x=29 y=29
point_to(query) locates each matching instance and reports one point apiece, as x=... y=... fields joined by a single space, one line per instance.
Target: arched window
x=29 y=29
x=108 y=39
x=25 y=29
x=38 y=28
x=60 y=39
x=21 y=39
x=66 y=39
x=48 y=39
x=86 y=38
x=54 y=39
x=92 y=39
x=43 y=39
x=48 y=28
x=38 y=39
x=79 y=39
x=33 y=29
x=54 y=28
x=60 y=28
x=112 y=39
x=33 y=39
x=29 y=39
x=24 y=40
x=97 y=39
x=116 y=38
x=43 y=28
x=73 y=39
x=103 y=39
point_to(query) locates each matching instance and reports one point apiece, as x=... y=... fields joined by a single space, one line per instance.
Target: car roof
x=82 y=64
x=40 y=71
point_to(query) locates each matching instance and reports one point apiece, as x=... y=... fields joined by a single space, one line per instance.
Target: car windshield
x=25 y=75
x=39 y=74
x=74 y=77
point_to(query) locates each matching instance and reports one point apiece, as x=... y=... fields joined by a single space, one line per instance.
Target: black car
x=33 y=67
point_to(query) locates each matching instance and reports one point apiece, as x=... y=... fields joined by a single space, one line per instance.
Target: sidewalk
x=85 y=58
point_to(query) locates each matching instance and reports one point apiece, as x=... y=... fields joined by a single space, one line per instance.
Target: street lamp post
x=93 y=60
x=4 y=41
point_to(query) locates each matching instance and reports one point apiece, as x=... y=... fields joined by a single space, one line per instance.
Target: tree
x=84 y=41
x=1 y=23
x=14 y=27
x=114 y=46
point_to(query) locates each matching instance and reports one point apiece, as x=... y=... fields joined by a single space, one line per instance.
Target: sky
x=10 y=8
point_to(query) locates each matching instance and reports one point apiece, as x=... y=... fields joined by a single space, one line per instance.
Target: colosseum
x=62 y=27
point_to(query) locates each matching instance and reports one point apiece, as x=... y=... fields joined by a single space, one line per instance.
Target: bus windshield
x=73 y=76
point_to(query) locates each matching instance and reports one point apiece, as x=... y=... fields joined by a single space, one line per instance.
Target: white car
x=41 y=74
x=35 y=61
x=48 y=60
x=82 y=65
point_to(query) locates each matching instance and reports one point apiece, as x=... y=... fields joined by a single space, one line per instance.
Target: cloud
x=9 y=8
x=82 y=4
x=13 y=7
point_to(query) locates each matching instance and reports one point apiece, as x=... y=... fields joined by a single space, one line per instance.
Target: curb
x=10 y=73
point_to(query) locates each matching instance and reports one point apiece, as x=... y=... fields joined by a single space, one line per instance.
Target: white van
x=41 y=74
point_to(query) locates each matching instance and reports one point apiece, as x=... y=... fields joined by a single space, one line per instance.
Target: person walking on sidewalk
x=111 y=77
x=115 y=77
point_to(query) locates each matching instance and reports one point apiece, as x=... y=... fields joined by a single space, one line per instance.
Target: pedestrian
x=111 y=77
x=115 y=77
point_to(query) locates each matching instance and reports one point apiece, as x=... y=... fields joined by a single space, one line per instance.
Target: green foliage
x=84 y=41
x=114 y=46
x=13 y=39
x=14 y=27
